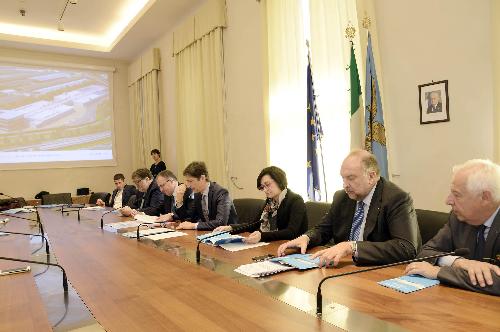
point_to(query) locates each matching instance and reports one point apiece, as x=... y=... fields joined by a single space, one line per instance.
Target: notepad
x=409 y=284
x=219 y=239
x=278 y=264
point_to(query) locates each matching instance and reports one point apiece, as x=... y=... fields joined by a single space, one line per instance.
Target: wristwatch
x=354 y=248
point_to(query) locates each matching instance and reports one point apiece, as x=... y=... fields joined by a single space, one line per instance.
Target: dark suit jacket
x=454 y=235
x=153 y=200
x=128 y=191
x=221 y=209
x=291 y=219
x=437 y=109
x=185 y=212
x=391 y=231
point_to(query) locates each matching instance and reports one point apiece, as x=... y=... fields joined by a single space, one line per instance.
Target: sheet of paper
x=144 y=218
x=237 y=246
x=168 y=235
x=144 y=232
x=261 y=269
x=94 y=208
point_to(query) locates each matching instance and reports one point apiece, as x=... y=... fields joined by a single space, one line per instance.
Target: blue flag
x=314 y=135
x=375 y=141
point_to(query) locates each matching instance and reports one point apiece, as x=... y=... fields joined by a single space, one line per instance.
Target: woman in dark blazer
x=283 y=216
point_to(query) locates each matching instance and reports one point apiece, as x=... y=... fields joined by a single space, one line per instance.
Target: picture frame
x=434 y=102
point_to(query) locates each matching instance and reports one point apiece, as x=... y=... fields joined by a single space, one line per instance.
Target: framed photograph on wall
x=434 y=102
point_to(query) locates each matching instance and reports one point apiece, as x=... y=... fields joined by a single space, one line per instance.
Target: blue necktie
x=357 y=221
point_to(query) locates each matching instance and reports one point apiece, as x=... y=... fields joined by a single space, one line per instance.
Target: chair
x=100 y=195
x=430 y=222
x=248 y=209
x=61 y=198
x=315 y=212
x=132 y=201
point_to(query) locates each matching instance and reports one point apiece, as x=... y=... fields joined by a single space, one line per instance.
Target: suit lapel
x=492 y=237
x=374 y=209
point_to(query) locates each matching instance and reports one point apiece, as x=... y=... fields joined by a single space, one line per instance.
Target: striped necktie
x=204 y=206
x=357 y=221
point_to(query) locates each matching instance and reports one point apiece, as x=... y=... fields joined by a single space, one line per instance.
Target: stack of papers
x=278 y=264
x=261 y=269
x=161 y=236
x=409 y=284
x=114 y=227
x=94 y=208
x=217 y=240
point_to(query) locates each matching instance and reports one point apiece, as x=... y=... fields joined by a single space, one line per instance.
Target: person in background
x=371 y=221
x=158 y=164
x=474 y=223
x=121 y=194
x=283 y=216
x=212 y=205
x=151 y=200
x=178 y=203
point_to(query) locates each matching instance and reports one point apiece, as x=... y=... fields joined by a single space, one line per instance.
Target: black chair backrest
x=62 y=198
x=248 y=209
x=430 y=222
x=316 y=211
x=102 y=195
x=132 y=202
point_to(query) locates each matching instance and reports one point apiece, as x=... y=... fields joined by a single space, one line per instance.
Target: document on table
x=114 y=227
x=237 y=246
x=261 y=269
x=144 y=232
x=156 y=237
x=94 y=208
x=144 y=218
x=409 y=284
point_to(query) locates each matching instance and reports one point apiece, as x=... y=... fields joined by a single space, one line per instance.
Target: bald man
x=371 y=220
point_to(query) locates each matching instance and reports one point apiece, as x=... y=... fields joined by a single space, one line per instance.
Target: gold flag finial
x=366 y=22
x=350 y=31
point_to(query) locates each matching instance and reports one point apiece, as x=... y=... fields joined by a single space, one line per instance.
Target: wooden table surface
x=437 y=308
x=131 y=286
x=21 y=307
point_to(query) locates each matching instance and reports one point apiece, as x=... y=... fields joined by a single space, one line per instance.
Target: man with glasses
x=151 y=200
x=371 y=220
x=474 y=223
x=178 y=202
x=212 y=205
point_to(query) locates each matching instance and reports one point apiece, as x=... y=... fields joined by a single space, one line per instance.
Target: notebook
x=278 y=264
x=409 y=284
x=219 y=239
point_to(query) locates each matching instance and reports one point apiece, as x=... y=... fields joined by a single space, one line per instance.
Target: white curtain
x=145 y=112
x=201 y=117
x=330 y=56
x=287 y=64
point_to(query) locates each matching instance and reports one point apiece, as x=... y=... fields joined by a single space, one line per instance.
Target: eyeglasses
x=137 y=181
x=265 y=186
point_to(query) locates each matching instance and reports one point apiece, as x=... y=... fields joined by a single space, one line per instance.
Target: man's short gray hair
x=483 y=175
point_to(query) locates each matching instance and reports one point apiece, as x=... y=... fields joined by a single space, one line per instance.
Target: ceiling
x=118 y=29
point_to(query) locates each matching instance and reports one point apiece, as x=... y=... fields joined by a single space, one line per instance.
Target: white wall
x=427 y=40
x=27 y=183
x=244 y=96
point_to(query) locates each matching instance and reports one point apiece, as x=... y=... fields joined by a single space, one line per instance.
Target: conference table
x=145 y=285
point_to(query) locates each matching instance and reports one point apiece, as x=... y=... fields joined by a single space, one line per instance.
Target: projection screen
x=55 y=115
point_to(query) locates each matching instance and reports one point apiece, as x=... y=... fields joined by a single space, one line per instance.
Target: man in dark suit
x=474 y=224
x=435 y=105
x=371 y=220
x=178 y=203
x=151 y=200
x=212 y=205
x=121 y=194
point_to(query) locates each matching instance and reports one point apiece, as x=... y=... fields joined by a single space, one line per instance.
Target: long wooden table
x=133 y=285
x=21 y=307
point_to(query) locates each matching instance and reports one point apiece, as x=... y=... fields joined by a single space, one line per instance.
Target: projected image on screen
x=54 y=114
